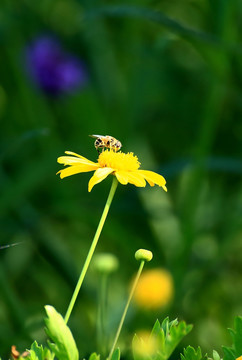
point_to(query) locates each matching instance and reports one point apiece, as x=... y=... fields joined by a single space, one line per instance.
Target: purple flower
x=55 y=71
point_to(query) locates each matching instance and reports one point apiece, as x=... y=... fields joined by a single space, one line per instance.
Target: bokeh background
x=164 y=77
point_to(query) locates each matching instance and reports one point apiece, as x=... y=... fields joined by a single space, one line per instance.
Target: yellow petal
x=70 y=160
x=75 y=169
x=75 y=154
x=132 y=177
x=121 y=177
x=153 y=178
x=99 y=175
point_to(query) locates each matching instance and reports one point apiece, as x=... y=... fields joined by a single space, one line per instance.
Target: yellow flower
x=145 y=345
x=124 y=166
x=154 y=289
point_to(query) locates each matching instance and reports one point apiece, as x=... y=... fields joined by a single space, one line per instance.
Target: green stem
x=126 y=308
x=101 y=321
x=92 y=248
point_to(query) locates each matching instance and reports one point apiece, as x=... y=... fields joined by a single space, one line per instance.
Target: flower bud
x=143 y=254
x=105 y=263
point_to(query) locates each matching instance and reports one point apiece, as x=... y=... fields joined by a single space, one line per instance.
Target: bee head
x=118 y=145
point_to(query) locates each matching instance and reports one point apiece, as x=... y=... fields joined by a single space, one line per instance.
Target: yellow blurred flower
x=154 y=289
x=239 y=358
x=145 y=345
x=124 y=166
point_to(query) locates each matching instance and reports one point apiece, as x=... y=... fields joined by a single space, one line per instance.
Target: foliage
x=164 y=77
x=165 y=337
x=116 y=355
x=94 y=356
x=230 y=353
x=235 y=351
x=39 y=353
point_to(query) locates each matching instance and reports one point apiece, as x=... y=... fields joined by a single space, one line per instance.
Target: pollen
x=118 y=161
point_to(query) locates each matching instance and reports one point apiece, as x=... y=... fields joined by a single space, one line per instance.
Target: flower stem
x=126 y=308
x=92 y=248
x=102 y=311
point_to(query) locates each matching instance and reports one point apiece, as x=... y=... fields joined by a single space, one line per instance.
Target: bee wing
x=97 y=136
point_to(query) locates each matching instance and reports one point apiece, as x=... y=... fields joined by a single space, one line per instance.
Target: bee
x=106 y=142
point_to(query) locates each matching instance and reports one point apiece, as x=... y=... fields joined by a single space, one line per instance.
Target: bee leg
x=98 y=149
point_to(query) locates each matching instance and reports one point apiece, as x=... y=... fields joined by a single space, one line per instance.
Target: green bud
x=143 y=254
x=105 y=263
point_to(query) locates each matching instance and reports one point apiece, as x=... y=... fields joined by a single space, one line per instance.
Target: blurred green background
x=165 y=78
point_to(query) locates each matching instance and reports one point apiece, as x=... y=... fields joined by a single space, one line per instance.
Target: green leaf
x=174 y=333
x=166 y=325
x=216 y=355
x=162 y=19
x=191 y=354
x=156 y=328
x=94 y=356
x=196 y=354
x=231 y=353
x=152 y=15
x=237 y=336
x=64 y=345
x=116 y=354
x=162 y=341
x=158 y=334
x=39 y=353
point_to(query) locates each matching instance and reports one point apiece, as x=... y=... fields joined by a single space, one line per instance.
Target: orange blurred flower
x=155 y=289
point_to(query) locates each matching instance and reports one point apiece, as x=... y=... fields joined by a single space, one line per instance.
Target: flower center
x=118 y=160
